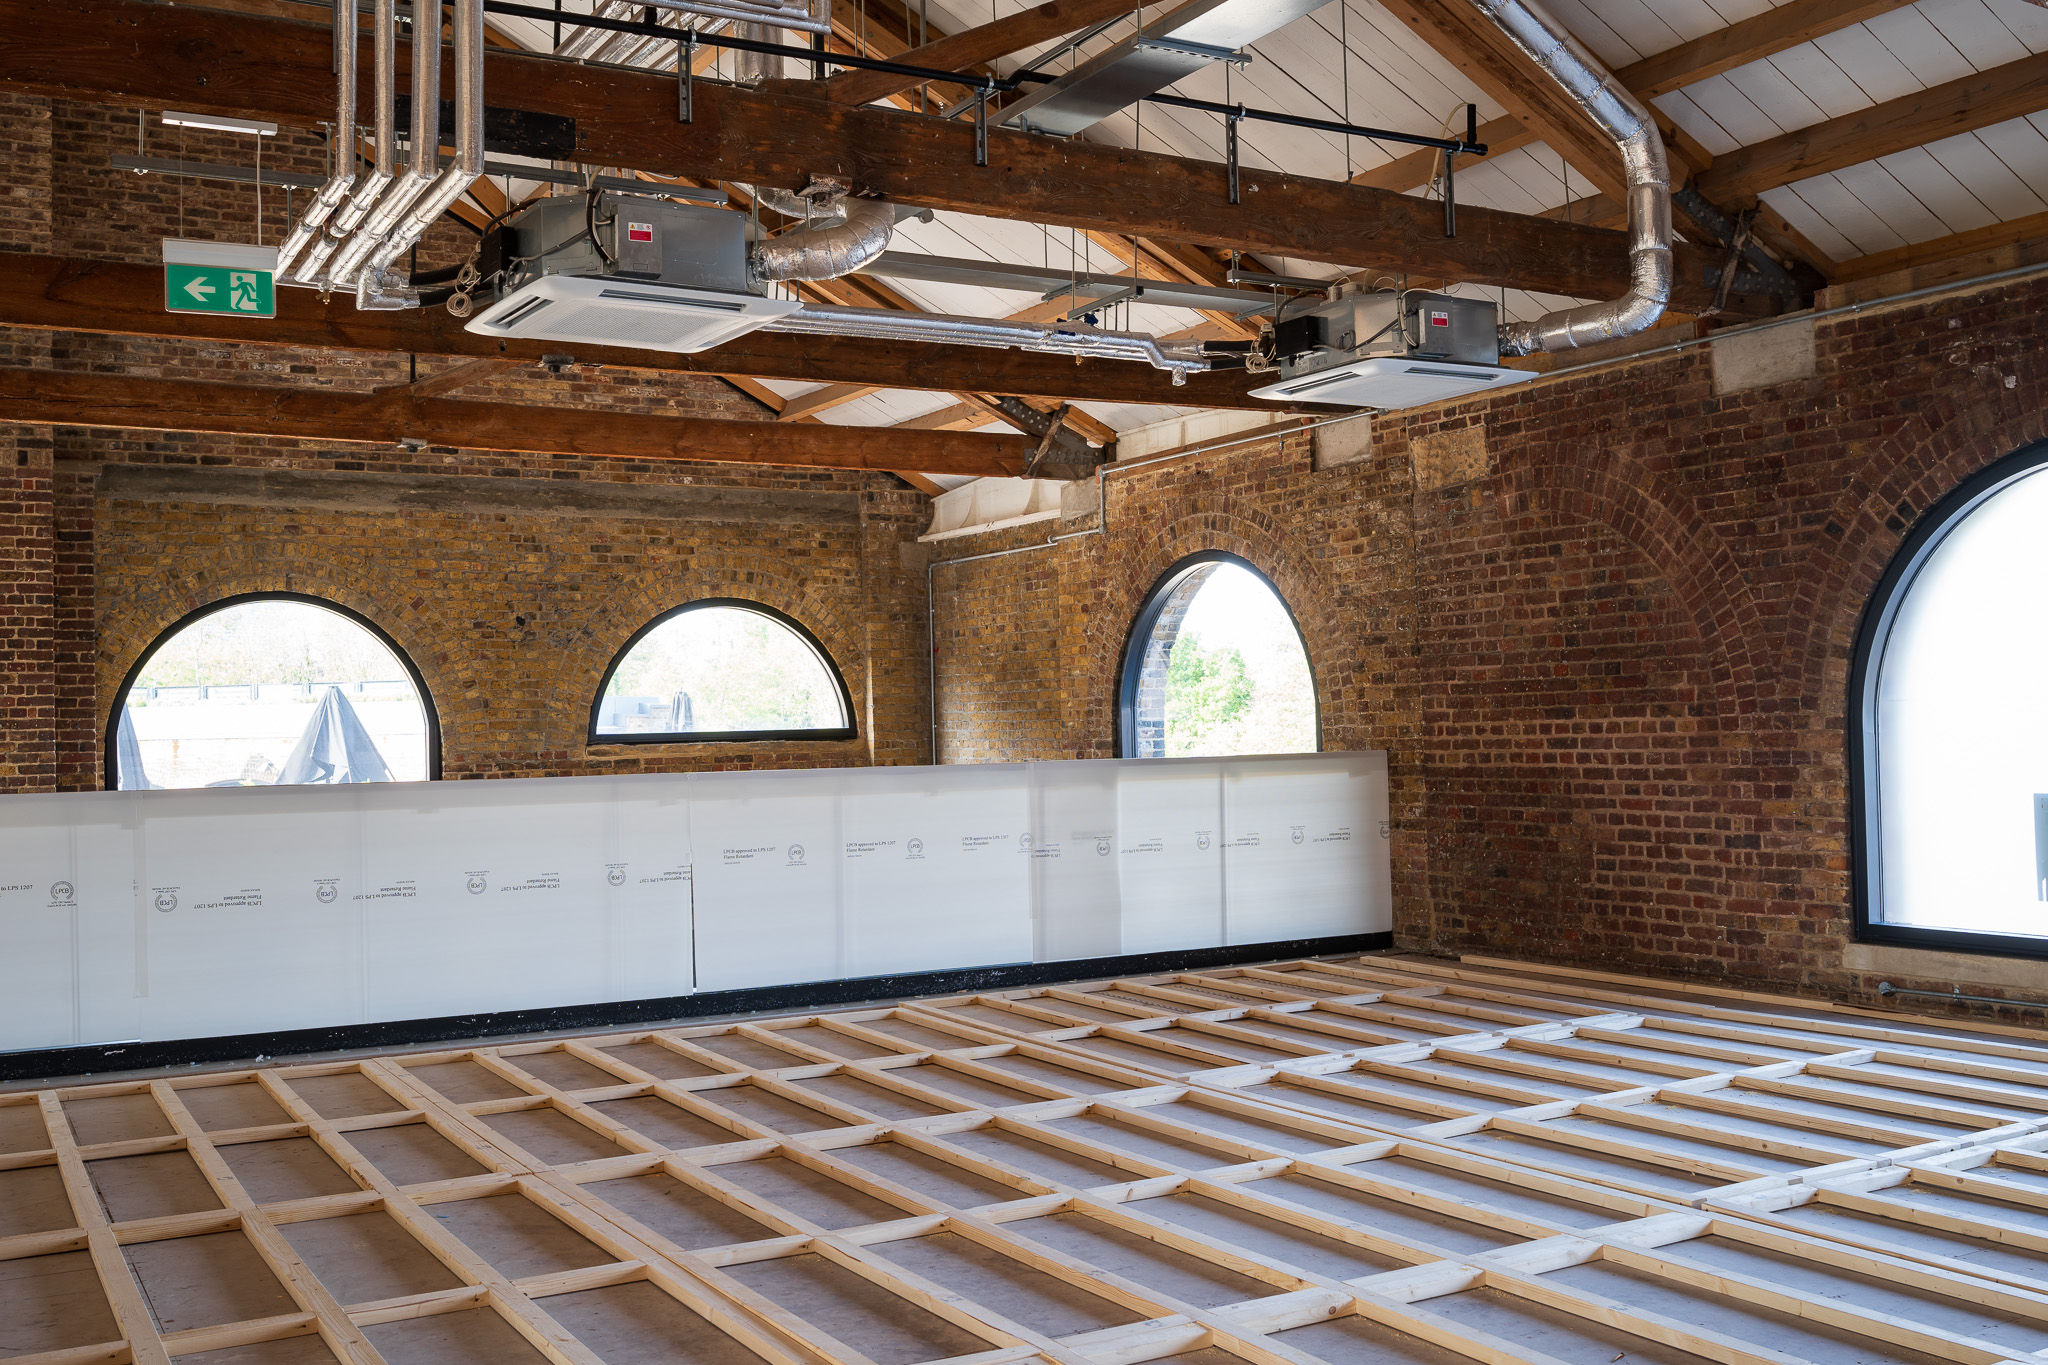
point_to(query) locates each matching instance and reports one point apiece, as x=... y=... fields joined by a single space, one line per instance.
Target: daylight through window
x=270 y=692
x=717 y=669
x=1216 y=666
x=1954 y=741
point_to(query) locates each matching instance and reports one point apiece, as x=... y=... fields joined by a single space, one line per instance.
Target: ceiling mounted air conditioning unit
x=1393 y=382
x=1387 y=350
x=646 y=315
x=624 y=270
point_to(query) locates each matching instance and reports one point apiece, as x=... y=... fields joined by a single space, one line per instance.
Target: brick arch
x=1261 y=542
x=1608 y=488
x=238 y=570
x=1879 y=504
x=633 y=602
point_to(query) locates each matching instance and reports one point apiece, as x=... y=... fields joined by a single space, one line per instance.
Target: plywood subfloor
x=1321 y=1162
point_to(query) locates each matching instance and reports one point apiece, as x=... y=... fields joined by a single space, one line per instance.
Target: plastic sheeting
x=170 y=914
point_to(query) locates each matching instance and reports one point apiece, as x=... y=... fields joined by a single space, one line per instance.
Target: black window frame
x=1131 y=666
x=110 y=776
x=1873 y=634
x=797 y=628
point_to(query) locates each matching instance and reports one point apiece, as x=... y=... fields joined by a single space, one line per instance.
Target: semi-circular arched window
x=721 y=670
x=1215 y=665
x=1949 y=725
x=271 y=689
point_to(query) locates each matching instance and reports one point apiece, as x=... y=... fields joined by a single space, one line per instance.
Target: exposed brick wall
x=28 y=675
x=1611 y=670
x=25 y=189
x=510 y=617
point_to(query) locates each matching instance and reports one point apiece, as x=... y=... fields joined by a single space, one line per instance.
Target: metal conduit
x=1057 y=339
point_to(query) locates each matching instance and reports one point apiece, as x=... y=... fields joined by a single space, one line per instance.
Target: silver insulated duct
x=426 y=145
x=341 y=145
x=1622 y=117
x=826 y=253
x=384 y=45
x=468 y=168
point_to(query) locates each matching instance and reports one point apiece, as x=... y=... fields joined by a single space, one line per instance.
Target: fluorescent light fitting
x=220 y=123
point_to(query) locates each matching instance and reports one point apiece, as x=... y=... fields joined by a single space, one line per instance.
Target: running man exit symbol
x=218 y=289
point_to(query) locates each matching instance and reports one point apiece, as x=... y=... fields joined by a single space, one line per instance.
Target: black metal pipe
x=1320 y=124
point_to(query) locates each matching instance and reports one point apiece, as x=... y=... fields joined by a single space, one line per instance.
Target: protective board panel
x=168 y=914
x=916 y=838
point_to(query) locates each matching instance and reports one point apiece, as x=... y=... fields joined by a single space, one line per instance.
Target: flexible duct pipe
x=342 y=143
x=826 y=253
x=1622 y=117
x=885 y=325
x=384 y=46
x=469 y=146
x=426 y=148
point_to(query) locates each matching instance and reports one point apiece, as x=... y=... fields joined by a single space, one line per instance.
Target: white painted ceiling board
x=1809 y=223
x=1835 y=201
x=1902 y=211
x=1933 y=184
x=2021 y=148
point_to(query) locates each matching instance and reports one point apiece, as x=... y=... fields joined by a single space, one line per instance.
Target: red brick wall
x=1611 y=671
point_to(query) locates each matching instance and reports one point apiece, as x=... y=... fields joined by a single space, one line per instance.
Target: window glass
x=720 y=669
x=1961 y=735
x=1222 y=670
x=270 y=693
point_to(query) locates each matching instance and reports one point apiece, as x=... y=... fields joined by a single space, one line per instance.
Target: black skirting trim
x=245 y=1047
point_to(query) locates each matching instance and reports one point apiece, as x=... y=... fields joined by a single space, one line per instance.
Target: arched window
x=1949 y=732
x=271 y=689
x=721 y=670
x=1216 y=665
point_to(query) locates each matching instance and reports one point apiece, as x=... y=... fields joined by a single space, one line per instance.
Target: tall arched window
x=271 y=689
x=1949 y=737
x=721 y=669
x=1215 y=665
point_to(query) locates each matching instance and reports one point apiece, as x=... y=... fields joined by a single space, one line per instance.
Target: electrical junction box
x=1388 y=350
x=623 y=270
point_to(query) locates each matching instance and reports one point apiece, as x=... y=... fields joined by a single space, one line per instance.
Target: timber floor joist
x=1320 y=1162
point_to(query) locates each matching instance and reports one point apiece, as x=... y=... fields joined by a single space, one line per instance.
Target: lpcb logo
x=477 y=884
x=62 y=892
x=166 y=901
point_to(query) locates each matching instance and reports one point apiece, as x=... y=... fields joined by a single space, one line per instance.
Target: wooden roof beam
x=110 y=51
x=1959 y=106
x=1466 y=38
x=1980 y=251
x=1750 y=40
x=975 y=47
x=115 y=298
x=127 y=402
x=1418 y=168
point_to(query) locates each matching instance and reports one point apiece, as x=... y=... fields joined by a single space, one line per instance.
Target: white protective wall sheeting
x=171 y=914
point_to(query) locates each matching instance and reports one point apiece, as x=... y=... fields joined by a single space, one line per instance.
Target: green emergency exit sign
x=217 y=289
x=220 y=277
